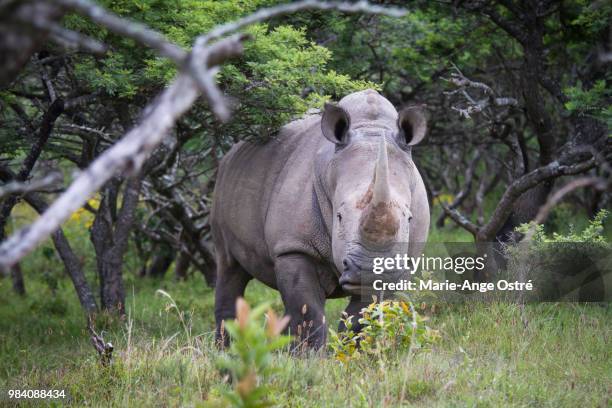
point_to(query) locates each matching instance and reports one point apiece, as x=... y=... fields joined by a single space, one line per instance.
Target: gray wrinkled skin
x=306 y=213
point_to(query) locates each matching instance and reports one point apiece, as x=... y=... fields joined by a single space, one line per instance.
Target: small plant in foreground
x=388 y=325
x=249 y=357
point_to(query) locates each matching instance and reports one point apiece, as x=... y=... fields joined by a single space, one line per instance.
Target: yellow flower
x=443 y=198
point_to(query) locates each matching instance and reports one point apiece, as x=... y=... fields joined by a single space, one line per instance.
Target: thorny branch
x=474 y=105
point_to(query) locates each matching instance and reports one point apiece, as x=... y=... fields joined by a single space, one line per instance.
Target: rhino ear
x=412 y=125
x=335 y=124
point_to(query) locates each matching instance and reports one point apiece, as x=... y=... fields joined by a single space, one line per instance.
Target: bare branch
x=465 y=190
x=198 y=61
x=130 y=29
x=205 y=80
x=289 y=8
x=521 y=185
x=475 y=105
x=460 y=219
x=598 y=183
x=72 y=39
x=46 y=184
x=72 y=264
x=126 y=155
x=86 y=132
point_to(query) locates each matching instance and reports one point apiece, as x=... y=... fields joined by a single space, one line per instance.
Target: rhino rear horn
x=335 y=124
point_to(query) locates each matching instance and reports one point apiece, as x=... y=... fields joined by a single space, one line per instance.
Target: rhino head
x=370 y=182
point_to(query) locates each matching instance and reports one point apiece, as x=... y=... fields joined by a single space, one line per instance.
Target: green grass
x=487 y=356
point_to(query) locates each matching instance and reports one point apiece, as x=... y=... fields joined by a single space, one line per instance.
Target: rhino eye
x=339 y=216
x=410 y=218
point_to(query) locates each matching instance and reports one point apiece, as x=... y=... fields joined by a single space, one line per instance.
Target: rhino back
x=263 y=198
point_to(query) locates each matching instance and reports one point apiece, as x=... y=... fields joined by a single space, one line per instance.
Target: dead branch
x=598 y=183
x=193 y=61
x=473 y=105
x=72 y=264
x=467 y=187
x=513 y=192
x=126 y=155
x=460 y=219
x=47 y=184
x=126 y=28
x=72 y=40
x=519 y=186
x=18 y=37
x=104 y=349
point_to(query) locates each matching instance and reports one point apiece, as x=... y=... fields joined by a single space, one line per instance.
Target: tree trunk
x=161 y=262
x=181 y=266
x=528 y=204
x=109 y=235
x=17 y=278
x=48 y=121
x=112 y=292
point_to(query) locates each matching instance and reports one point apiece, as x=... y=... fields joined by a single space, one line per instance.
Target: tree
x=505 y=77
x=114 y=87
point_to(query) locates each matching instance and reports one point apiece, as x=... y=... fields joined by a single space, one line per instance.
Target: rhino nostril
x=345 y=263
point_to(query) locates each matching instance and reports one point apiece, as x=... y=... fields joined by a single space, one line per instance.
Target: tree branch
x=598 y=183
x=46 y=184
x=460 y=219
x=518 y=187
x=130 y=29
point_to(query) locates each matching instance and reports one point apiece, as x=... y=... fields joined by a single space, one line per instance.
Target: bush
x=387 y=326
x=572 y=266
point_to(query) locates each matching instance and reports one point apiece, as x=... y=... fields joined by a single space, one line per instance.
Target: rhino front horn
x=379 y=224
x=381 y=191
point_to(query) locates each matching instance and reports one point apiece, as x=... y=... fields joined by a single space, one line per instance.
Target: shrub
x=568 y=266
x=387 y=326
x=593 y=233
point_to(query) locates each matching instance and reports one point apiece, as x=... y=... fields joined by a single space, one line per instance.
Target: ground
x=486 y=356
x=553 y=354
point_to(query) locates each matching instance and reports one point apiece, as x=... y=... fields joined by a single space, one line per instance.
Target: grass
x=486 y=356
x=166 y=357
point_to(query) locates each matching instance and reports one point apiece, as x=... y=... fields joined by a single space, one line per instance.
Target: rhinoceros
x=306 y=212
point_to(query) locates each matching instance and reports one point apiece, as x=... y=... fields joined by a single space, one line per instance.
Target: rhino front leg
x=304 y=299
x=231 y=283
x=354 y=309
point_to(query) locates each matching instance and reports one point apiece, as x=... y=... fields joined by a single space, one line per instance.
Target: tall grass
x=165 y=353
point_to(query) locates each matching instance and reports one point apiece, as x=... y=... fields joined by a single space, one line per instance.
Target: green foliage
x=249 y=358
x=281 y=75
x=593 y=101
x=591 y=234
x=593 y=16
x=389 y=326
x=568 y=266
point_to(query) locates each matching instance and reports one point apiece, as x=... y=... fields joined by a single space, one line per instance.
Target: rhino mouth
x=358 y=276
x=354 y=277
x=350 y=285
x=353 y=289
